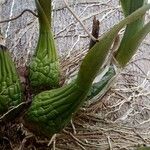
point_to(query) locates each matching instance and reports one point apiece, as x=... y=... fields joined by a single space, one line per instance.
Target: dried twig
x=73 y=127
x=52 y=140
x=90 y=35
x=11 y=19
x=80 y=143
x=109 y=142
x=15 y=111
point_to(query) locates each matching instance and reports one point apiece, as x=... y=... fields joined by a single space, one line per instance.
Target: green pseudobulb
x=10 y=88
x=44 y=70
x=52 y=110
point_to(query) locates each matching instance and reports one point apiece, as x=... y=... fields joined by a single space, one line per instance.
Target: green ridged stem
x=10 y=88
x=51 y=110
x=44 y=67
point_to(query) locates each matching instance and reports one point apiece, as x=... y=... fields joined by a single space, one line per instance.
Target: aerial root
x=53 y=141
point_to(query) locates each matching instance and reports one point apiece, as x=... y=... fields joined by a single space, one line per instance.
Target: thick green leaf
x=96 y=56
x=131 y=45
x=129 y=6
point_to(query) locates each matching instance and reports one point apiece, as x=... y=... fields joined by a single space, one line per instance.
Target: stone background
x=128 y=102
